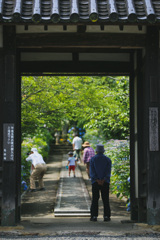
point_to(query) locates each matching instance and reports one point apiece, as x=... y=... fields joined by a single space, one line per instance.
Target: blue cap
x=70 y=153
x=100 y=148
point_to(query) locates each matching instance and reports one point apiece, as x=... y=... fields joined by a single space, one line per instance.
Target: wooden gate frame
x=143 y=70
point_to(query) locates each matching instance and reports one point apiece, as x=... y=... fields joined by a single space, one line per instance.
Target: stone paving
x=72 y=195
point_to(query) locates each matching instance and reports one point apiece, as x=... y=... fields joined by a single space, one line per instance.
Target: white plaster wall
x=73 y=28
x=40 y=29
x=115 y=29
x=45 y=56
x=124 y=57
x=32 y=56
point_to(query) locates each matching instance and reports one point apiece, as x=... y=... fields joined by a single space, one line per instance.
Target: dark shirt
x=100 y=168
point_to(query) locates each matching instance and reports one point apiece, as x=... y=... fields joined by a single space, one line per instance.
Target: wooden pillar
x=10 y=147
x=1 y=121
x=141 y=125
x=132 y=142
x=18 y=139
x=151 y=124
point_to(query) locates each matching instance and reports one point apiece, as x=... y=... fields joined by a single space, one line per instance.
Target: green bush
x=93 y=137
x=118 y=151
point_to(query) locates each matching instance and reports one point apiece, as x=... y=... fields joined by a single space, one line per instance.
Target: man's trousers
x=37 y=174
x=96 y=189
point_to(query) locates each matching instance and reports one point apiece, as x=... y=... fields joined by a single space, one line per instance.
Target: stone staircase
x=60 y=149
x=72 y=198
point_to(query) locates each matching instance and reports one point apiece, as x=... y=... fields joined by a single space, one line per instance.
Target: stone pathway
x=72 y=196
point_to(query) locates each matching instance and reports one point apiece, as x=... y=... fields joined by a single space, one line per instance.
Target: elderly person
x=100 y=172
x=87 y=155
x=39 y=169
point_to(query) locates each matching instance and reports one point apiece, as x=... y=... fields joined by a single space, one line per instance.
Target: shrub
x=120 y=178
x=93 y=137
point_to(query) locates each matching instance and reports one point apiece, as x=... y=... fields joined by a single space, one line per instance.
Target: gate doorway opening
x=61 y=103
x=88 y=62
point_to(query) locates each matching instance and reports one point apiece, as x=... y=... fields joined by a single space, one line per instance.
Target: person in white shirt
x=77 y=146
x=39 y=169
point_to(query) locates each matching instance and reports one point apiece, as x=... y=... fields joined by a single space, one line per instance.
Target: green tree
x=93 y=102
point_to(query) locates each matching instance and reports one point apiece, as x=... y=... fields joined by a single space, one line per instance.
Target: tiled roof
x=77 y=11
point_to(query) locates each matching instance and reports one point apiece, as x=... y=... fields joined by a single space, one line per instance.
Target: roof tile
x=54 y=11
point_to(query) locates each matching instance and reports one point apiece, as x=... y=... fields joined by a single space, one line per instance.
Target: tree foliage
x=94 y=102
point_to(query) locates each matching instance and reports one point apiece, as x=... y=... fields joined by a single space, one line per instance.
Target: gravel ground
x=81 y=236
x=85 y=238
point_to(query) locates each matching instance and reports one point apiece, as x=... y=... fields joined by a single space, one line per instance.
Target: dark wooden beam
x=80 y=67
x=140 y=27
x=142 y=163
x=10 y=123
x=151 y=125
x=132 y=141
x=102 y=27
x=121 y=27
x=1 y=120
x=1 y=126
x=45 y=27
x=75 y=57
x=64 y=27
x=26 y=27
x=81 y=28
x=85 y=40
x=8 y=78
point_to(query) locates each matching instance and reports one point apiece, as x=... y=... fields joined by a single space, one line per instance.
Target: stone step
x=59 y=152
x=60 y=149
x=72 y=196
x=61 y=146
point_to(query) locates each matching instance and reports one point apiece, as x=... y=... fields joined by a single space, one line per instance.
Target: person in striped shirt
x=87 y=155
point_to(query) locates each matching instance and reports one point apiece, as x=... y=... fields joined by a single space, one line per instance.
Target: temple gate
x=77 y=37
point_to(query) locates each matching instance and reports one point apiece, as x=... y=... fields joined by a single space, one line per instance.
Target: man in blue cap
x=100 y=172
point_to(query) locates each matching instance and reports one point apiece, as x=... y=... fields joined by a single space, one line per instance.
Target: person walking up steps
x=77 y=146
x=72 y=163
x=100 y=172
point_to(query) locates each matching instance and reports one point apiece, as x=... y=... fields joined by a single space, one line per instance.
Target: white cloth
x=35 y=158
x=71 y=161
x=77 y=141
